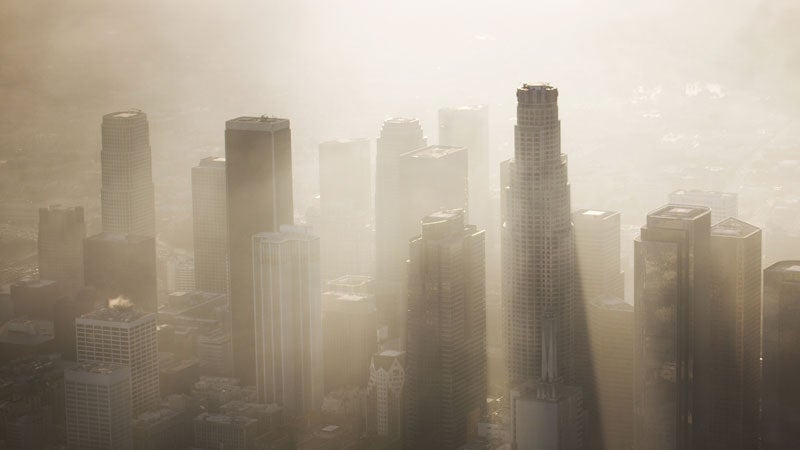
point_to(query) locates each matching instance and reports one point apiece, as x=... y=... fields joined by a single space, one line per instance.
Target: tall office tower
x=61 y=234
x=349 y=329
x=98 y=406
x=780 y=393
x=468 y=126
x=671 y=267
x=385 y=394
x=729 y=391
x=610 y=323
x=597 y=274
x=538 y=281
x=398 y=136
x=546 y=416
x=126 y=197
x=258 y=173
x=210 y=218
x=122 y=265
x=121 y=334
x=445 y=391
x=288 y=322
x=722 y=204
x=345 y=183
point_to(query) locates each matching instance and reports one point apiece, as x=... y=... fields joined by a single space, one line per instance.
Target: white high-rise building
x=127 y=197
x=98 y=406
x=121 y=334
x=210 y=219
x=288 y=319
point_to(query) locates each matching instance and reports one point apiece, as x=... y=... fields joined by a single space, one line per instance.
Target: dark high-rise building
x=35 y=298
x=468 y=127
x=728 y=390
x=210 y=219
x=122 y=265
x=780 y=393
x=61 y=234
x=127 y=197
x=258 y=173
x=538 y=248
x=671 y=269
x=345 y=222
x=610 y=323
x=445 y=391
x=398 y=136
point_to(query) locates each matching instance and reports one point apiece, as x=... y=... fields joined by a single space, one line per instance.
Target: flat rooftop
x=119 y=314
x=699 y=193
x=24 y=331
x=734 y=227
x=595 y=213
x=118 y=237
x=464 y=108
x=537 y=86
x=126 y=115
x=262 y=123
x=789 y=267
x=212 y=161
x=287 y=233
x=433 y=152
x=681 y=212
x=612 y=303
x=225 y=419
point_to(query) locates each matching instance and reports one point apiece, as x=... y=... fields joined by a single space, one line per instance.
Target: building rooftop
x=262 y=123
x=180 y=303
x=400 y=121
x=225 y=419
x=682 y=192
x=119 y=310
x=350 y=283
x=118 y=237
x=124 y=115
x=734 y=227
x=595 y=213
x=790 y=267
x=347 y=302
x=34 y=283
x=682 y=212
x=612 y=303
x=287 y=233
x=335 y=142
x=464 y=108
x=217 y=162
x=24 y=331
x=433 y=152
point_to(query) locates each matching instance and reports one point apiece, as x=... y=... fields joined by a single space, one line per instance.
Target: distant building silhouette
x=349 y=327
x=60 y=243
x=210 y=219
x=127 y=199
x=121 y=334
x=468 y=127
x=345 y=223
x=258 y=173
x=98 y=406
x=671 y=269
x=445 y=387
x=722 y=204
x=288 y=322
x=780 y=403
x=398 y=136
x=122 y=265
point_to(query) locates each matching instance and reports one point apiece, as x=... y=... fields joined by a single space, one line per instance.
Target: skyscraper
x=671 y=267
x=610 y=323
x=258 y=173
x=780 y=402
x=210 y=219
x=445 y=391
x=61 y=233
x=597 y=275
x=729 y=388
x=722 y=204
x=349 y=327
x=538 y=279
x=398 y=136
x=120 y=334
x=98 y=406
x=288 y=322
x=122 y=265
x=127 y=197
x=468 y=126
x=345 y=223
